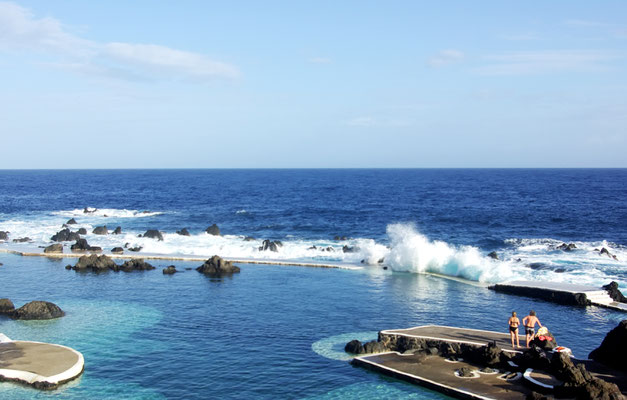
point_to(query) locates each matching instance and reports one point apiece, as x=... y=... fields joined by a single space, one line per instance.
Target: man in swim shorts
x=530 y=322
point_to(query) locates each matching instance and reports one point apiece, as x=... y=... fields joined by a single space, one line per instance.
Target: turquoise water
x=269 y=332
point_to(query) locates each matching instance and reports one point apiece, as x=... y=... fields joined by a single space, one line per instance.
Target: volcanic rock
x=80 y=245
x=615 y=294
x=135 y=264
x=82 y=231
x=183 y=232
x=135 y=249
x=54 y=248
x=38 y=310
x=65 y=235
x=22 y=240
x=153 y=234
x=4 y=235
x=350 y=249
x=270 y=245
x=613 y=349
x=71 y=221
x=354 y=347
x=118 y=230
x=493 y=255
x=88 y=210
x=117 y=250
x=213 y=230
x=374 y=347
x=6 y=306
x=464 y=372
x=100 y=230
x=218 y=266
x=567 y=247
x=340 y=238
x=249 y=239
x=95 y=263
x=606 y=252
x=169 y=270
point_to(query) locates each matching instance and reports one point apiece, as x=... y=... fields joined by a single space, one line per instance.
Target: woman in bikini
x=513 y=322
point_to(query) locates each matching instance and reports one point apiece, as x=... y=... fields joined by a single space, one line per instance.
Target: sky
x=313 y=84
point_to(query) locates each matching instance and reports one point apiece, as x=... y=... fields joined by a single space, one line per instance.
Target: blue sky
x=200 y=84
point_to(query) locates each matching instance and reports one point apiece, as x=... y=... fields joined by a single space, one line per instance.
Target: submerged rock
x=218 y=266
x=54 y=248
x=65 y=235
x=22 y=240
x=249 y=239
x=135 y=249
x=117 y=250
x=183 y=232
x=493 y=255
x=101 y=230
x=6 y=306
x=153 y=234
x=606 y=252
x=567 y=247
x=169 y=270
x=89 y=210
x=213 y=230
x=340 y=238
x=38 y=310
x=350 y=249
x=613 y=349
x=71 y=221
x=4 y=235
x=118 y=230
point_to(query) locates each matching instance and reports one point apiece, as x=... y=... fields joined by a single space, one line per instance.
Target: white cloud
x=320 y=60
x=552 y=61
x=20 y=30
x=446 y=57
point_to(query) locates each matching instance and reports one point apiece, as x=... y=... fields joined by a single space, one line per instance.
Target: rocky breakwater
x=613 y=350
x=217 y=266
x=35 y=310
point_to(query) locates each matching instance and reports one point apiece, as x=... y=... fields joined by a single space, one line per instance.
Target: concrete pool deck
x=438 y=373
x=41 y=365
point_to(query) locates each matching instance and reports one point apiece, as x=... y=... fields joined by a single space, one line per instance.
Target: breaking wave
x=106 y=212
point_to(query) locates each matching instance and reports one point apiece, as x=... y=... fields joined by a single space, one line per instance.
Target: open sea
x=278 y=331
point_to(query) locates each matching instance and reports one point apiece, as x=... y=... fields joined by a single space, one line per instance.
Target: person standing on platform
x=514 y=322
x=530 y=322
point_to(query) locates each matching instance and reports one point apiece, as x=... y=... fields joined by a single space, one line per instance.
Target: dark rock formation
x=135 y=264
x=340 y=238
x=94 y=249
x=6 y=307
x=578 y=382
x=613 y=349
x=80 y=245
x=117 y=230
x=213 y=230
x=329 y=249
x=249 y=239
x=4 y=235
x=71 y=221
x=374 y=347
x=38 y=310
x=101 y=230
x=54 y=248
x=88 y=210
x=354 y=347
x=270 y=245
x=606 y=252
x=169 y=270
x=615 y=294
x=153 y=234
x=464 y=372
x=183 y=232
x=538 y=266
x=350 y=249
x=218 y=266
x=117 y=250
x=82 y=231
x=22 y=240
x=493 y=255
x=567 y=247
x=536 y=396
x=65 y=235
x=94 y=263
x=135 y=249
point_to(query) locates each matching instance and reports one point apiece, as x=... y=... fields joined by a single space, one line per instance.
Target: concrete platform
x=41 y=365
x=438 y=373
x=561 y=293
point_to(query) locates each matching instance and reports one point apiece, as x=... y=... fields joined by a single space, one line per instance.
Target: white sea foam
x=106 y=212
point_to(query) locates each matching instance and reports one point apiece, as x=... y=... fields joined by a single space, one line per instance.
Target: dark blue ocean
x=278 y=331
